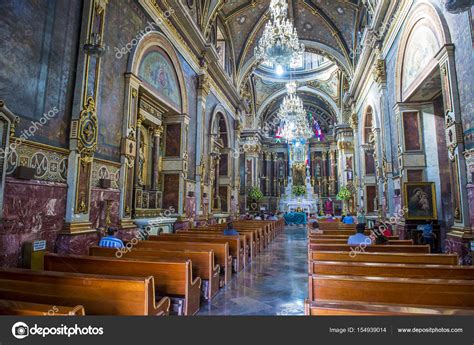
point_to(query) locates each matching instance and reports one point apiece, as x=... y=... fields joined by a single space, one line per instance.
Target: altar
x=295 y=218
x=303 y=199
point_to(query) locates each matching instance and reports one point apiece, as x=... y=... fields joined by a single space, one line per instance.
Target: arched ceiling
x=326 y=27
x=330 y=23
x=315 y=105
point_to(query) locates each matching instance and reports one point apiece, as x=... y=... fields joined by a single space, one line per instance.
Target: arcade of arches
x=155 y=115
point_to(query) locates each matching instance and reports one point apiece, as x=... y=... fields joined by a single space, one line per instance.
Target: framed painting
x=420 y=199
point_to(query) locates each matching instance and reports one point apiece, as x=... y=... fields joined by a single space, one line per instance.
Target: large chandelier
x=279 y=45
x=294 y=120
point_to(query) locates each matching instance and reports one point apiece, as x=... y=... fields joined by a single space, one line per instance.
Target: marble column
x=157 y=132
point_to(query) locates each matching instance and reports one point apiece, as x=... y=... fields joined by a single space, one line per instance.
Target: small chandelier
x=279 y=44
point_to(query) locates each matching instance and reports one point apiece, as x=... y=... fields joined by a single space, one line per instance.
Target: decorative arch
x=218 y=115
x=424 y=34
x=155 y=41
x=282 y=92
x=368 y=124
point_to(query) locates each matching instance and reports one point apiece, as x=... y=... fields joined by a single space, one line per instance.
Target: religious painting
x=420 y=199
x=412 y=131
x=420 y=52
x=157 y=71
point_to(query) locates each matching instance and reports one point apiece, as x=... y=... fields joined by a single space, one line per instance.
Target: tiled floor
x=276 y=282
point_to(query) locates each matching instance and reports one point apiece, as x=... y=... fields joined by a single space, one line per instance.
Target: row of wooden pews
x=158 y=276
x=397 y=278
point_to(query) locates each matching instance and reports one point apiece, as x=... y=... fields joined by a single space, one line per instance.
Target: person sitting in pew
x=111 y=241
x=230 y=231
x=359 y=238
x=347 y=219
x=272 y=217
x=315 y=228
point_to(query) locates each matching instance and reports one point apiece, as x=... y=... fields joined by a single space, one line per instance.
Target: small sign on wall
x=39 y=245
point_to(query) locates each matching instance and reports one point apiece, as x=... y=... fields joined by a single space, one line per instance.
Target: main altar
x=302 y=198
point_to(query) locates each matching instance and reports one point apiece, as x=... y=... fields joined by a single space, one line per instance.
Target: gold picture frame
x=420 y=200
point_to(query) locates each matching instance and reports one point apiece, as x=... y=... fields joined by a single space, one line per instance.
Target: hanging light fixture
x=279 y=46
x=294 y=120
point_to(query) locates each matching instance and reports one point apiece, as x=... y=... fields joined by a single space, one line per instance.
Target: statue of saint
x=141 y=164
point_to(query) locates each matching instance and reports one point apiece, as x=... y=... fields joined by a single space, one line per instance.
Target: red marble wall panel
x=173 y=140
x=171 y=191
x=33 y=210
x=99 y=199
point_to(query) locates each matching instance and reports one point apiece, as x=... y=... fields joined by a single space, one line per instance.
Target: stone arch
x=156 y=39
x=424 y=19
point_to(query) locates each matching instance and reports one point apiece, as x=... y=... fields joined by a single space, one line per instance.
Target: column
x=461 y=233
x=267 y=156
x=385 y=141
x=203 y=92
x=157 y=132
x=84 y=126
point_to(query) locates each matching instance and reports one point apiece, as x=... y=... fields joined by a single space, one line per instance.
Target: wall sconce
x=95 y=48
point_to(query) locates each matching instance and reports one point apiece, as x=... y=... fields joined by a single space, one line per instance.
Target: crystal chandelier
x=279 y=44
x=294 y=121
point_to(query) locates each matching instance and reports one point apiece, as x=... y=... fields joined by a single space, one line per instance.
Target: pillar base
x=127 y=223
x=77 y=228
x=458 y=242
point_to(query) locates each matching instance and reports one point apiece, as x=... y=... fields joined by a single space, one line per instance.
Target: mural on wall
x=421 y=49
x=38 y=55
x=158 y=72
x=124 y=21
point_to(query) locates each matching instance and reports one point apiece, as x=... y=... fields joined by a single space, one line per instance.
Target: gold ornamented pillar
x=129 y=150
x=203 y=92
x=84 y=125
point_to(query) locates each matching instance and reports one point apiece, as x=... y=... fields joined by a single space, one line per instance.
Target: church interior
x=216 y=157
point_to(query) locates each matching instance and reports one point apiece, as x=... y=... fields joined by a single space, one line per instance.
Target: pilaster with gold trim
x=84 y=125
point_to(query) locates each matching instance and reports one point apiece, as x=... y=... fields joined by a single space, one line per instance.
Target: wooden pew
x=337 y=241
x=203 y=263
x=10 y=307
x=341 y=237
x=392 y=270
x=236 y=244
x=221 y=253
x=346 y=233
x=259 y=233
x=172 y=278
x=413 y=258
x=393 y=291
x=269 y=226
x=370 y=248
x=343 y=308
x=249 y=238
x=100 y=295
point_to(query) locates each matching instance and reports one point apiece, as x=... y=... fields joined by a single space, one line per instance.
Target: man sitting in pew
x=111 y=241
x=230 y=231
x=359 y=238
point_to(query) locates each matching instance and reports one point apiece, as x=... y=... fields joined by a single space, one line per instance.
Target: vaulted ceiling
x=326 y=27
